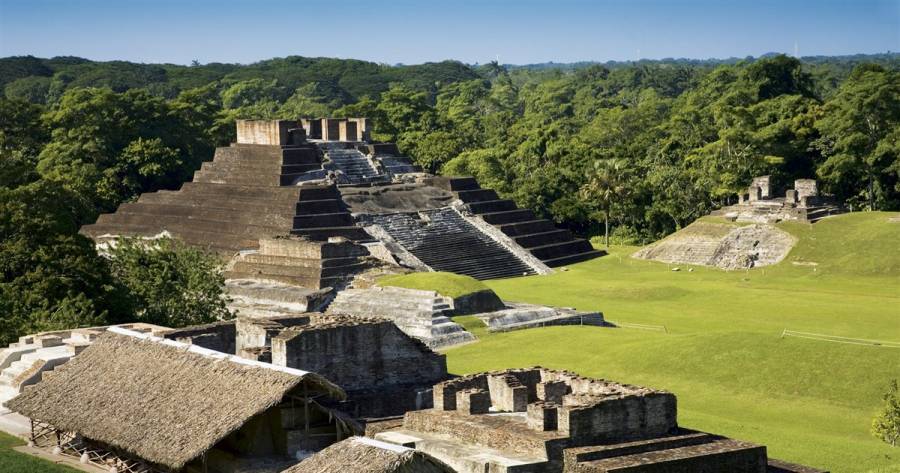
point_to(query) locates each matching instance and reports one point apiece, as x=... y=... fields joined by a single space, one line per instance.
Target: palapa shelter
x=138 y=403
x=365 y=455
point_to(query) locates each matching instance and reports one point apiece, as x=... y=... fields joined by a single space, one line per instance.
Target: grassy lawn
x=809 y=401
x=15 y=462
x=446 y=284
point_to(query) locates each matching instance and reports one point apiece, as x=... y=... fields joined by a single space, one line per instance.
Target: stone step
x=477 y=195
x=175 y=223
x=558 y=250
x=282 y=260
x=527 y=227
x=257 y=179
x=491 y=206
x=508 y=216
x=340 y=219
x=573 y=258
x=213 y=241
x=246 y=267
x=306 y=282
x=313 y=192
x=315 y=207
x=242 y=191
x=199 y=202
x=543 y=238
x=266 y=219
x=729 y=455
x=323 y=233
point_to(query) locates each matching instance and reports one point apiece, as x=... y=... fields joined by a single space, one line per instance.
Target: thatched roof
x=364 y=455
x=163 y=401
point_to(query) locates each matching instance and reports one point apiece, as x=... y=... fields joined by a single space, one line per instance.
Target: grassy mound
x=446 y=284
x=809 y=401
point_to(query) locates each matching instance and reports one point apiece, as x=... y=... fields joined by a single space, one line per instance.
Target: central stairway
x=356 y=166
x=445 y=241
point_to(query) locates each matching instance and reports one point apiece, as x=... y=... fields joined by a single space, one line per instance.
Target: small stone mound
x=722 y=246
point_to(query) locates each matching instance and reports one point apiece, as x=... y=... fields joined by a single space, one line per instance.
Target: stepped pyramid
x=282 y=178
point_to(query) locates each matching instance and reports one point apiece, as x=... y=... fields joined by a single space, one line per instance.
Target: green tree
x=605 y=186
x=886 y=425
x=859 y=137
x=169 y=283
x=51 y=278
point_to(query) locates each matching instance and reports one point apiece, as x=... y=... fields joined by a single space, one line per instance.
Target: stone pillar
x=790 y=197
x=806 y=188
x=473 y=401
x=444 y=397
x=507 y=393
x=542 y=416
x=313 y=128
x=764 y=184
x=348 y=131
x=362 y=129
x=755 y=193
x=331 y=129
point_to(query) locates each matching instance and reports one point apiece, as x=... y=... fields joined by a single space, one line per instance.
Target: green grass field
x=15 y=462
x=809 y=401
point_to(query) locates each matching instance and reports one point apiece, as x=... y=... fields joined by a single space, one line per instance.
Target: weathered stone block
x=265 y=132
x=542 y=416
x=790 y=196
x=473 y=401
x=507 y=393
x=347 y=131
x=552 y=391
x=806 y=188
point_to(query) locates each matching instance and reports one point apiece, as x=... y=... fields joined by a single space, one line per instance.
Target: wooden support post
x=306 y=410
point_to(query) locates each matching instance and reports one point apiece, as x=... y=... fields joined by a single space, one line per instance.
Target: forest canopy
x=650 y=145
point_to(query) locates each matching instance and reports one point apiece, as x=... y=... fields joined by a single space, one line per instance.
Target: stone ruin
x=302 y=210
x=539 y=420
x=801 y=203
x=383 y=371
x=285 y=177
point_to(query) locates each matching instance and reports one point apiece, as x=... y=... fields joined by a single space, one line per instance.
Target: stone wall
x=765 y=186
x=265 y=132
x=806 y=188
x=356 y=353
x=218 y=336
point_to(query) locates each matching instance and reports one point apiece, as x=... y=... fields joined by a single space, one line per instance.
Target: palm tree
x=605 y=183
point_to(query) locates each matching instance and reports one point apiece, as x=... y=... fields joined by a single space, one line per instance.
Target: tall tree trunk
x=606 y=225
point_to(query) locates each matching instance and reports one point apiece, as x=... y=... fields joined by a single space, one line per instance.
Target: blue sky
x=520 y=31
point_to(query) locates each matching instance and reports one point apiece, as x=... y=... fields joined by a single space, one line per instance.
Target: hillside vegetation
x=722 y=352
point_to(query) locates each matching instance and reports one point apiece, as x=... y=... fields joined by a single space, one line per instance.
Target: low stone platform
x=517 y=316
x=424 y=315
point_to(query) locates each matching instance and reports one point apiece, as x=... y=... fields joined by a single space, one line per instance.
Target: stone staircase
x=445 y=241
x=300 y=262
x=553 y=246
x=234 y=200
x=355 y=166
x=320 y=213
x=423 y=315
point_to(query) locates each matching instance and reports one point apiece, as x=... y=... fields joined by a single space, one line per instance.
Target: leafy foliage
x=886 y=425
x=170 y=284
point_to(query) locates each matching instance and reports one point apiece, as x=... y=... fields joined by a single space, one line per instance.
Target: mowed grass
x=809 y=401
x=447 y=284
x=12 y=461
